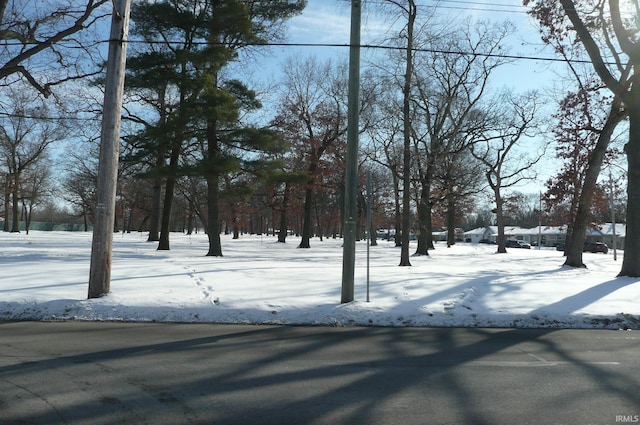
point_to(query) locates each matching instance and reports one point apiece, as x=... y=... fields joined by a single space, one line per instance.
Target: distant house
x=439 y=235
x=515 y=232
x=511 y=232
x=605 y=233
x=545 y=235
x=549 y=235
x=477 y=235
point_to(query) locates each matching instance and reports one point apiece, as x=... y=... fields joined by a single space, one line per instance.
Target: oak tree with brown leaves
x=610 y=40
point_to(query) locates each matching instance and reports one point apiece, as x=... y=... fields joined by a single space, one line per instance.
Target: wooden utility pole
x=406 y=119
x=100 y=270
x=351 y=175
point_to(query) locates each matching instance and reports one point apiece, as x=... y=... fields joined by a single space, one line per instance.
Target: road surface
x=146 y=373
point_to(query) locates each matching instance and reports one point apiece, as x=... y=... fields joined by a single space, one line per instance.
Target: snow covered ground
x=44 y=276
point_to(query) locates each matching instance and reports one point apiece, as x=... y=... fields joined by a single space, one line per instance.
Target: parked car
x=511 y=243
x=514 y=243
x=560 y=246
x=595 y=247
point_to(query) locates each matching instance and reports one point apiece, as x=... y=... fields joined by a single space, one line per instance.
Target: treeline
x=444 y=142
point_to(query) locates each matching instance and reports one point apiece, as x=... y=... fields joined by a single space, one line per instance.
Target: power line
x=47 y=118
x=387 y=47
x=363 y=46
x=468 y=5
x=478 y=3
x=477 y=6
x=428 y=50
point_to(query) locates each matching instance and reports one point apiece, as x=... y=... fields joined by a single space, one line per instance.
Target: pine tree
x=190 y=43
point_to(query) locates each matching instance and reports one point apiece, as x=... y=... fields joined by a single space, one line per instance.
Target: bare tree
x=457 y=180
x=497 y=148
x=450 y=83
x=26 y=132
x=79 y=190
x=584 y=132
x=406 y=42
x=46 y=43
x=385 y=145
x=312 y=118
x=612 y=46
x=411 y=11
x=36 y=189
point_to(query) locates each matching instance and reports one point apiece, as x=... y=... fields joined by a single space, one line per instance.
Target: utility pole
x=351 y=175
x=613 y=218
x=540 y=222
x=369 y=230
x=100 y=270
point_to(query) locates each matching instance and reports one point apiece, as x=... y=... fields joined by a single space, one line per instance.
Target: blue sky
x=328 y=22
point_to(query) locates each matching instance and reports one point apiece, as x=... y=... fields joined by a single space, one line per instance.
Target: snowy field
x=45 y=277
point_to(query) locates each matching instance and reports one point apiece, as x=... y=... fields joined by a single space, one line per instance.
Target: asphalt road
x=132 y=373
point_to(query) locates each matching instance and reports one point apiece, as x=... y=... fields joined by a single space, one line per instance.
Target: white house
x=477 y=234
x=549 y=235
x=605 y=233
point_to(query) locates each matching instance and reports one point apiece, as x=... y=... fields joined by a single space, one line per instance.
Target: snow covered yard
x=44 y=276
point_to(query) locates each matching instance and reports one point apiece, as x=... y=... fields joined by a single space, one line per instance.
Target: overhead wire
x=458 y=4
x=468 y=5
x=337 y=45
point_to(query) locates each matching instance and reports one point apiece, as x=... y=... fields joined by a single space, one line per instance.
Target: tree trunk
x=397 y=214
x=319 y=227
x=235 y=220
x=308 y=202
x=373 y=236
x=236 y=230
x=499 y=220
x=423 y=216
x=451 y=222
x=213 y=217
x=170 y=184
x=190 y=221
x=282 y=232
x=154 y=219
x=15 y=212
x=339 y=228
x=212 y=175
x=631 y=261
x=431 y=167
x=129 y=220
x=306 y=221
x=574 y=246
x=429 y=226
x=7 y=201
x=27 y=217
x=165 y=224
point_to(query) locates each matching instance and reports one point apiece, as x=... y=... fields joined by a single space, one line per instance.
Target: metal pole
x=100 y=269
x=368 y=229
x=613 y=218
x=540 y=223
x=351 y=174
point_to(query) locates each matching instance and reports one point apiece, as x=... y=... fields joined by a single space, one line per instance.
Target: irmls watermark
x=629 y=419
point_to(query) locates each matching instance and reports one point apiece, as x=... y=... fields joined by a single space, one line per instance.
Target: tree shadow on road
x=302 y=375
